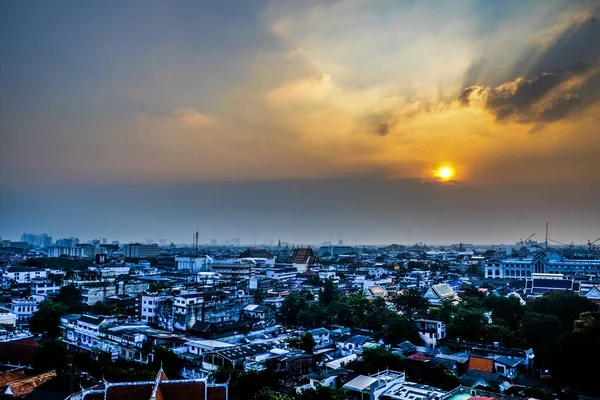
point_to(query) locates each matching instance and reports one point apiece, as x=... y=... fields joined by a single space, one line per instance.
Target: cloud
x=560 y=107
x=383 y=129
x=192 y=118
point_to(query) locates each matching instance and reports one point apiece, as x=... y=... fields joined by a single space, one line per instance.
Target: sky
x=304 y=121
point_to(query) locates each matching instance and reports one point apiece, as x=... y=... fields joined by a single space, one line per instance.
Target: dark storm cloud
x=575 y=52
x=507 y=103
x=383 y=129
x=560 y=107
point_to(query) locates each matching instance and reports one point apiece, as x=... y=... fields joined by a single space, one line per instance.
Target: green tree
x=442 y=378
x=101 y=308
x=328 y=293
x=258 y=296
x=291 y=308
x=46 y=320
x=582 y=341
x=467 y=324
x=542 y=332
x=70 y=296
x=566 y=306
x=268 y=394
x=411 y=304
x=377 y=359
x=52 y=354
x=169 y=361
x=321 y=393
x=307 y=343
x=399 y=328
x=506 y=311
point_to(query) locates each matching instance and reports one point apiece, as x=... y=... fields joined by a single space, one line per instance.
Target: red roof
x=418 y=357
x=481 y=364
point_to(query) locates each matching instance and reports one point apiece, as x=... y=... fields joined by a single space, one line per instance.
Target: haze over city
x=303 y=121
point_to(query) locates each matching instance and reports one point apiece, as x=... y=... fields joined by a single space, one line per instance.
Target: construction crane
x=526 y=240
x=570 y=246
x=591 y=244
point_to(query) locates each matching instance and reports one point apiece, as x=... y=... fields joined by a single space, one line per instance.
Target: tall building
x=138 y=250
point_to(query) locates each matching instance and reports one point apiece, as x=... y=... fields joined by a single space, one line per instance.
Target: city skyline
x=461 y=121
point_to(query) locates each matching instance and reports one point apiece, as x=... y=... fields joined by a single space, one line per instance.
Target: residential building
x=255 y=311
x=194 y=264
x=95 y=291
x=352 y=344
x=7 y=319
x=44 y=286
x=431 y=331
x=23 y=309
x=391 y=385
x=236 y=357
x=282 y=272
x=234 y=271
x=321 y=337
x=22 y=274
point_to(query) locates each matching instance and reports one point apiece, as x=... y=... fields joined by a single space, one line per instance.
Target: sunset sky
x=308 y=120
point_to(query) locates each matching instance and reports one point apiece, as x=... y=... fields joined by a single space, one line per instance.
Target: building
x=539 y=263
x=44 y=286
x=138 y=250
x=538 y=284
x=194 y=264
x=255 y=311
x=21 y=274
x=391 y=385
x=95 y=291
x=321 y=337
x=437 y=294
x=431 y=331
x=160 y=388
x=23 y=309
x=7 y=319
x=43 y=240
x=235 y=271
x=180 y=312
x=236 y=357
x=303 y=259
x=282 y=272
x=21 y=382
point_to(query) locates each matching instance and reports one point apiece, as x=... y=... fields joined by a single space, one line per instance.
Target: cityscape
x=299 y=200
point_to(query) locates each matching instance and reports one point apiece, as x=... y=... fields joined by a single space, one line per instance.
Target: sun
x=445 y=173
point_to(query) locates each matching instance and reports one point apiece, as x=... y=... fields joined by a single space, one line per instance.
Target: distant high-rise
x=137 y=250
x=42 y=240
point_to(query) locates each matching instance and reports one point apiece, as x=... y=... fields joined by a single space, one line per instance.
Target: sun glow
x=445 y=173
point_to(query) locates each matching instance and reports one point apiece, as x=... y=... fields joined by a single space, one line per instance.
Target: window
x=500 y=369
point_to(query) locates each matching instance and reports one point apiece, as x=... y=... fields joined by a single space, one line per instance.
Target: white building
x=23 y=310
x=45 y=287
x=194 y=264
x=7 y=318
x=539 y=263
x=431 y=331
x=148 y=306
x=281 y=272
x=21 y=274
